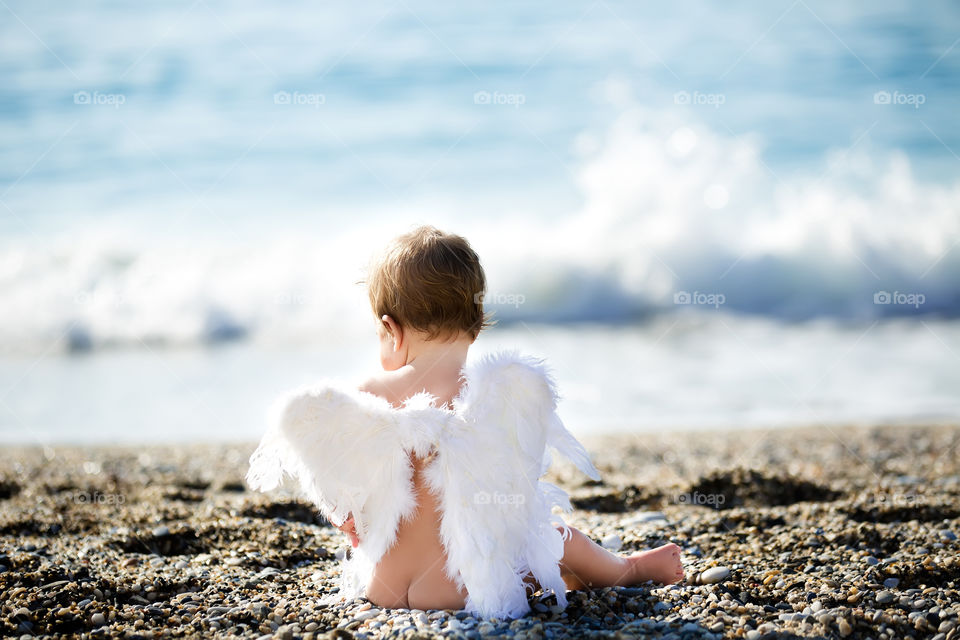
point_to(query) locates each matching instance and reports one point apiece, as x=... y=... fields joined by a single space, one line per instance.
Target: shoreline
x=807 y=532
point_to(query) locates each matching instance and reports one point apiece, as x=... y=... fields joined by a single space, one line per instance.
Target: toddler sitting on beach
x=433 y=466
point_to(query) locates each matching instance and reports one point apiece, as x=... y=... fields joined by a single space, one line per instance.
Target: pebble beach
x=799 y=533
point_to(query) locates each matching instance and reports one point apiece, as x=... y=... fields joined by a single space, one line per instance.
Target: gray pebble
x=366 y=615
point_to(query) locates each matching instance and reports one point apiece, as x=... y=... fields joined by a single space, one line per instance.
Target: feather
x=348 y=452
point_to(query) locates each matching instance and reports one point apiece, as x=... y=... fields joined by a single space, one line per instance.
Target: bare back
x=411 y=573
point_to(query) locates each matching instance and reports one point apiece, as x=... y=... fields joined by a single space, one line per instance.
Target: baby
x=437 y=435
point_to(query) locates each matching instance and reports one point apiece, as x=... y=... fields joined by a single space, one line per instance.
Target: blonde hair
x=429 y=281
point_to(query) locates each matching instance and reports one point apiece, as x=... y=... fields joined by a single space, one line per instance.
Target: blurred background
x=704 y=215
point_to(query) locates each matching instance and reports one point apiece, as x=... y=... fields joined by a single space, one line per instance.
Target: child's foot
x=662 y=565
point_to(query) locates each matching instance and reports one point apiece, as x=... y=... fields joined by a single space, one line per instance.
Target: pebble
x=647 y=516
x=713 y=575
x=844 y=627
x=366 y=615
x=612 y=542
x=236 y=572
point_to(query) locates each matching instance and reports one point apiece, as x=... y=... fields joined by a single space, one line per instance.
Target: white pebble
x=714 y=575
x=612 y=542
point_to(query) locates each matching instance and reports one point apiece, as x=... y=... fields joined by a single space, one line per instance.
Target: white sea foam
x=669 y=207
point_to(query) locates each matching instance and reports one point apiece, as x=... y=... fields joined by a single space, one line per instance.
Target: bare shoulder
x=387 y=385
x=397 y=386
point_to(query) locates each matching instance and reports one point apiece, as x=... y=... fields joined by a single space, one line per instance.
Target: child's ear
x=395 y=331
x=387 y=323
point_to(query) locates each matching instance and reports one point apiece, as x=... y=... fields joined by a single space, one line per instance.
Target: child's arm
x=350 y=528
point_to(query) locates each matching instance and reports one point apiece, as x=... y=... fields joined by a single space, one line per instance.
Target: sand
x=845 y=532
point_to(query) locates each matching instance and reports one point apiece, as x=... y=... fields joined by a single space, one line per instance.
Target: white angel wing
x=349 y=453
x=498 y=525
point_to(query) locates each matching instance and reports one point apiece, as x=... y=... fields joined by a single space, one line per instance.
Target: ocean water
x=704 y=215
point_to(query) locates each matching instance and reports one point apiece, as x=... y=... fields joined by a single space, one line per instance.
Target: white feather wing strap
x=348 y=452
x=498 y=525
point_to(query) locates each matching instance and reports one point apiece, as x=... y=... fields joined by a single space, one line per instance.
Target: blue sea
x=703 y=215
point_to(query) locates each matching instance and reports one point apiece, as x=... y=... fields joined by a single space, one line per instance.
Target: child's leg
x=586 y=564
